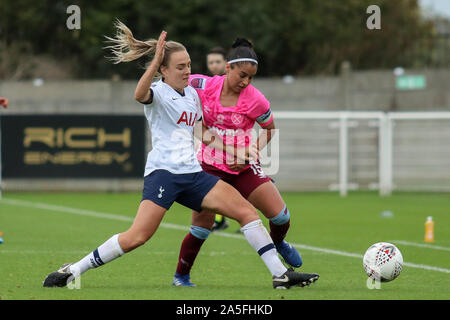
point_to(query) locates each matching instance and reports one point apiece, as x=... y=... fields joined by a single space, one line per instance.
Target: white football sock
x=105 y=253
x=258 y=237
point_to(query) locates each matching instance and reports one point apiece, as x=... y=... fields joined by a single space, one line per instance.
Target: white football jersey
x=171 y=118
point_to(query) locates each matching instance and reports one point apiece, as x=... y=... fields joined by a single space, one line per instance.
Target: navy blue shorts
x=188 y=189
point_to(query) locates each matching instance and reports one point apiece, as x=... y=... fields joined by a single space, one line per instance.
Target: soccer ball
x=383 y=262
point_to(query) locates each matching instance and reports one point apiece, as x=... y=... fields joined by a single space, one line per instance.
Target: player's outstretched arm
x=142 y=92
x=209 y=138
x=265 y=136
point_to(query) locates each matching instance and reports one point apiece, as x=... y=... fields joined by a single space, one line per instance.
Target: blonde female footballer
x=172 y=172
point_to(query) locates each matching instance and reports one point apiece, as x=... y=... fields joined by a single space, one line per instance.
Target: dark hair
x=218 y=50
x=242 y=48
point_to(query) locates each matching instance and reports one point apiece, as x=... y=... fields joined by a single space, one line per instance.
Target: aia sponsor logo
x=188 y=120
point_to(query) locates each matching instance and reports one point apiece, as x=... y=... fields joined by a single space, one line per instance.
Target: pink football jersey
x=232 y=124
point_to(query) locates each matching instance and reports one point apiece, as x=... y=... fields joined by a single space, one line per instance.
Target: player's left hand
x=247 y=154
x=253 y=153
x=160 y=48
x=237 y=167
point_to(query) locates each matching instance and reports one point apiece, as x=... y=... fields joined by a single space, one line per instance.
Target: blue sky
x=440 y=6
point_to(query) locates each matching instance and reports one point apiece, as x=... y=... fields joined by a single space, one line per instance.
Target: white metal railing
x=385 y=123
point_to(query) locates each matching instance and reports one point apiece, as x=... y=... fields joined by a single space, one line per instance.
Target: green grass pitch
x=41 y=231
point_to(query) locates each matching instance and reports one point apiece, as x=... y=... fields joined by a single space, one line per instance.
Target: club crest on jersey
x=236 y=118
x=188 y=120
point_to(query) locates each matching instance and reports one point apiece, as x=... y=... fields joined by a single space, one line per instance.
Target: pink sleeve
x=260 y=109
x=198 y=82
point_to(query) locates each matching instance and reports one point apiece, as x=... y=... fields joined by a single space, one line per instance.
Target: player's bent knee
x=204 y=219
x=130 y=242
x=247 y=214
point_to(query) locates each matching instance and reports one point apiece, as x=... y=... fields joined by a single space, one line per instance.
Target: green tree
x=290 y=37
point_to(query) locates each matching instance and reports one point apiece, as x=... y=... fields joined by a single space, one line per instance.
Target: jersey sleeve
x=260 y=109
x=198 y=82
x=199 y=107
x=155 y=95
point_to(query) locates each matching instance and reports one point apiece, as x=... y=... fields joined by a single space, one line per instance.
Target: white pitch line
x=80 y=252
x=420 y=245
x=51 y=207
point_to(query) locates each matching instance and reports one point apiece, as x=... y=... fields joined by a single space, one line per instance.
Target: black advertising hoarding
x=73 y=146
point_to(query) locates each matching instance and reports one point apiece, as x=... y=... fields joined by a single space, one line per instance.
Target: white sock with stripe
x=258 y=237
x=105 y=253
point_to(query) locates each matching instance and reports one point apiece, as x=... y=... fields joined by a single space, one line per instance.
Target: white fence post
x=385 y=155
x=343 y=154
x=389 y=156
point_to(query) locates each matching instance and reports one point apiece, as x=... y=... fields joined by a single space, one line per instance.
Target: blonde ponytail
x=126 y=48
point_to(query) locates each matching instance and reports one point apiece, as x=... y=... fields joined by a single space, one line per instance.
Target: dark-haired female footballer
x=231 y=106
x=216 y=62
x=172 y=172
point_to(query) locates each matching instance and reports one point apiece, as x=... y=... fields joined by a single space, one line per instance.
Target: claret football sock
x=189 y=249
x=279 y=225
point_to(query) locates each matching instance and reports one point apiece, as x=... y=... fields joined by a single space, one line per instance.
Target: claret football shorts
x=244 y=182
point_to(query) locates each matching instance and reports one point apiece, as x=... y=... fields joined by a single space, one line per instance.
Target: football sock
x=279 y=225
x=105 y=253
x=258 y=237
x=189 y=249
